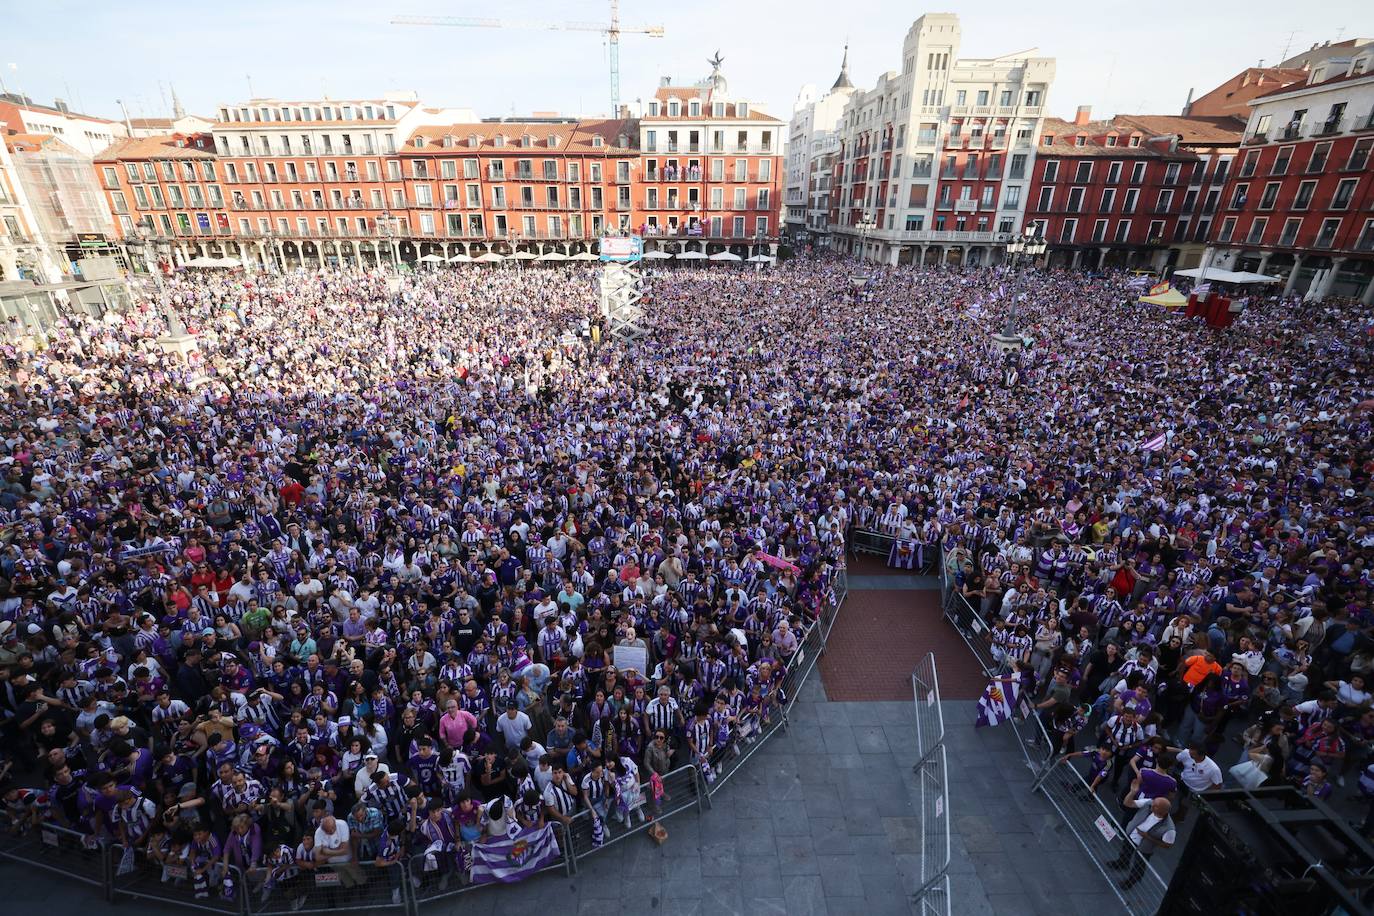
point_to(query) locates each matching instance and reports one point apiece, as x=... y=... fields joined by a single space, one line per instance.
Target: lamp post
x=865 y=225
x=1031 y=244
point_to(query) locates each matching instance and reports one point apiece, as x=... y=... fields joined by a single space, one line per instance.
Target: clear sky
x=1136 y=58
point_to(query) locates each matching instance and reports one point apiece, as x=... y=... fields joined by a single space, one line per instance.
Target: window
x=1228 y=227
x=1164 y=201
x=1304 y=197
x=1128 y=203
x=1262 y=126
x=1108 y=200
x=739 y=198
x=1281 y=160
x=1247 y=165
x=1171 y=173
x=1135 y=140
x=1114 y=173
x=1320 y=152
x=1069 y=229
x=1137 y=173
x=1075 y=202
x=1366 y=239
x=1051 y=169
x=1004 y=98
x=1240 y=195
x=1257 y=227
x=1344 y=192
x=737 y=227
x=1291 y=228
x=1156 y=233
x=1046 y=195
x=1359 y=155
x=1099 y=230
x=1084 y=173
x=982 y=97
x=111 y=176
x=1047 y=140
x=1033 y=98
x=961 y=97
x=1326 y=237
x=1271 y=194
x=1012 y=198
x=1123 y=230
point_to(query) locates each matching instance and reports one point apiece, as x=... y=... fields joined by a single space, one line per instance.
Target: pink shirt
x=453 y=726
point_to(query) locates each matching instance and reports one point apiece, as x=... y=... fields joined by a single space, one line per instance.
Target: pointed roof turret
x=843 y=81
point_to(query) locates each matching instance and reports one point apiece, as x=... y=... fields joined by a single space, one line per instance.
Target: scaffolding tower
x=622 y=288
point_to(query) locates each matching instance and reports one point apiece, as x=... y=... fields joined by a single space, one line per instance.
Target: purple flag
x=515 y=857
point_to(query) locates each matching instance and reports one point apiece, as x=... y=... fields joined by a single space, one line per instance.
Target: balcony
x=1292 y=132
x=1365 y=123
x=622 y=205
x=1255 y=139
x=1329 y=126
x=495 y=174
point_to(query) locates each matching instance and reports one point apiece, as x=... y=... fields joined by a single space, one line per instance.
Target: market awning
x=1169 y=299
x=1217 y=275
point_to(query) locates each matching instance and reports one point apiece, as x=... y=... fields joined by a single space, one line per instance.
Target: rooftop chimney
x=1083 y=115
x=1188 y=105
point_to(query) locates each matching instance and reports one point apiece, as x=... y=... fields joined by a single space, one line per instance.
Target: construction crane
x=611 y=30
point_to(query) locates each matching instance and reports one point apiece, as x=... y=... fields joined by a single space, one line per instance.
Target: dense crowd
x=362 y=579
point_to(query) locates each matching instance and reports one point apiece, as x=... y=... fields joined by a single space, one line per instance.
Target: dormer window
x=598 y=142
x=1135 y=139
x=673 y=109
x=1080 y=140
x=418 y=142
x=622 y=141
x=450 y=141
x=1111 y=139
x=553 y=140
x=527 y=140
x=717 y=109
x=653 y=109
x=742 y=109
x=1047 y=140
x=694 y=109
x=498 y=140
x=474 y=141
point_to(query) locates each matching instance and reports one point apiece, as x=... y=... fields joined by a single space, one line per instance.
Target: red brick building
x=1300 y=203
x=1111 y=193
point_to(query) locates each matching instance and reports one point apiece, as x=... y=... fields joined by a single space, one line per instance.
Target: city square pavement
x=823 y=819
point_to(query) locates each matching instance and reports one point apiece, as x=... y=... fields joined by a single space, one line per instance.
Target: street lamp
x=865 y=225
x=1033 y=245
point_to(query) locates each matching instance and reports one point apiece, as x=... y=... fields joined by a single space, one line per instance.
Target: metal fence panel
x=1101 y=834
x=934 y=815
x=930 y=718
x=356 y=886
x=443 y=883
x=73 y=855
x=934 y=900
x=218 y=890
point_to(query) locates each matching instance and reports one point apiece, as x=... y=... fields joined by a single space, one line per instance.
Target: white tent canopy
x=552 y=256
x=432 y=259
x=762 y=259
x=203 y=261
x=1217 y=275
x=230 y=262
x=690 y=256
x=725 y=256
x=524 y=256
x=585 y=256
x=460 y=258
x=490 y=257
x=656 y=255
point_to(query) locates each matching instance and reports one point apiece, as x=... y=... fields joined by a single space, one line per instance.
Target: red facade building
x=1300 y=203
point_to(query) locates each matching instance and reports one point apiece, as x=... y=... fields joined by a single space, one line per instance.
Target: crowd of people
x=361 y=580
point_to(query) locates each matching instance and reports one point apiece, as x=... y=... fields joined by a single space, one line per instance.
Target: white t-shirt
x=1348 y=694
x=333 y=841
x=1145 y=826
x=1199 y=775
x=513 y=730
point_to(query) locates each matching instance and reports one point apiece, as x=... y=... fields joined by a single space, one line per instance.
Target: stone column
x=1077 y=254
x=1264 y=262
x=1368 y=297
x=1330 y=279
x=1102 y=256
x=1292 y=275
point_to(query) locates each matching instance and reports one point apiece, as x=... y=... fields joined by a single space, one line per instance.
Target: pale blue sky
x=1137 y=58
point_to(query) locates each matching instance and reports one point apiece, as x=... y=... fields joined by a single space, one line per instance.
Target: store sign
x=90 y=240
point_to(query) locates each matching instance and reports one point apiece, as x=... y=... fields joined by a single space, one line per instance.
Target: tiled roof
x=1065 y=135
x=686 y=94
x=1189 y=129
x=164 y=147
x=150 y=123
x=1342 y=78
x=573 y=137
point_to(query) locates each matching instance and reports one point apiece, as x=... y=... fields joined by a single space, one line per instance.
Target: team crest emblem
x=519 y=852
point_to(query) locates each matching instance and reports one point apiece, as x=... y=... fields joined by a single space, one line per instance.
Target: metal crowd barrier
x=1103 y=836
x=174 y=883
x=74 y=855
x=356 y=886
x=930 y=718
x=932 y=782
x=446 y=883
x=879 y=544
x=1096 y=826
